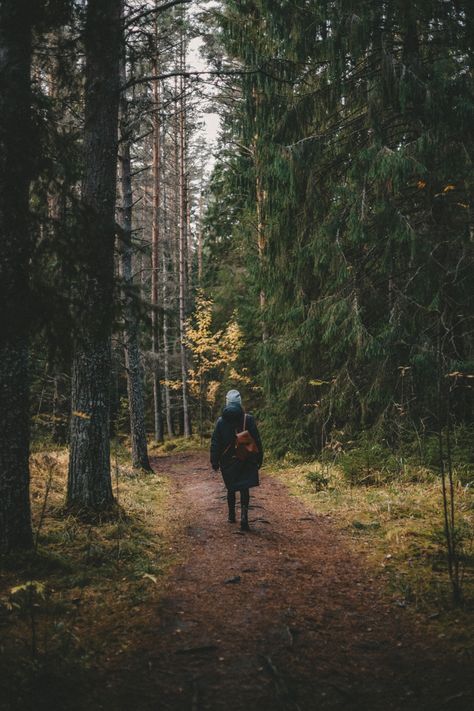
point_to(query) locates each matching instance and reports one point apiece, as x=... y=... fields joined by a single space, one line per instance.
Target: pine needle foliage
x=353 y=144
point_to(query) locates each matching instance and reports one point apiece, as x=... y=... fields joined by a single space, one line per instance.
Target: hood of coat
x=233 y=413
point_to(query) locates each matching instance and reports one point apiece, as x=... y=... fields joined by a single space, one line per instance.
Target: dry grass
x=93 y=584
x=180 y=444
x=97 y=587
x=399 y=527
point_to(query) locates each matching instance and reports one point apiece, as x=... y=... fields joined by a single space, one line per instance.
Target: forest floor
x=287 y=616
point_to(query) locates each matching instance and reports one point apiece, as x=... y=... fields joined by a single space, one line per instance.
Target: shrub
x=368 y=462
x=318 y=480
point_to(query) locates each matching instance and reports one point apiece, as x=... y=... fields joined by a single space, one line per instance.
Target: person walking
x=236 y=448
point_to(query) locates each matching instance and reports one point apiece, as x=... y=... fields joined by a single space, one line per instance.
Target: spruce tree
x=356 y=122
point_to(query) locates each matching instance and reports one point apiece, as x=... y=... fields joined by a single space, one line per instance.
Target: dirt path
x=284 y=617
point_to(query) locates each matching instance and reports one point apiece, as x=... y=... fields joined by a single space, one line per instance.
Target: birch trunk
x=89 y=481
x=15 y=171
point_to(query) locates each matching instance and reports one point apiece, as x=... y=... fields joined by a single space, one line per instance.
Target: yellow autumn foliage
x=213 y=352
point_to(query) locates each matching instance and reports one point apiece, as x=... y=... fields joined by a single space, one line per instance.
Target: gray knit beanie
x=233 y=396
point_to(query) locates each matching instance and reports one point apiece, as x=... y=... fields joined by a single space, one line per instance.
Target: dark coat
x=237 y=475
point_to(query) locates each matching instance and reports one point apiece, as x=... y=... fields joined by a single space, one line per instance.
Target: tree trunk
x=261 y=240
x=130 y=333
x=59 y=430
x=15 y=174
x=183 y=244
x=189 y=236
x=155 y=260
x=199 y=245
x=89 y=481
x=164 y=285
x=57 y=205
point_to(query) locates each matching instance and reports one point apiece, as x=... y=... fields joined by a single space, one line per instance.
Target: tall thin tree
x=182 y=234
x=165 y=296
x=155 y=256
x=131 y=331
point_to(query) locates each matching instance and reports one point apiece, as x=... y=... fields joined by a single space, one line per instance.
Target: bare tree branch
x=130 y=19
x=188 y=75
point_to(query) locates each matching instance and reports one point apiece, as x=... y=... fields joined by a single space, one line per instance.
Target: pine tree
x=183 y=224
x=131 y=325
x=155 y=255
x=89 y=482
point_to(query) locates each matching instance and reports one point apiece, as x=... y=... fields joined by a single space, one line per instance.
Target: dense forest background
x=318 y=256
x=340 y=212
x=322 y=262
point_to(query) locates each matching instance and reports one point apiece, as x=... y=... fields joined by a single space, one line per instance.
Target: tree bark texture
x=89 y=481
x=15 y=173
x=130 y=334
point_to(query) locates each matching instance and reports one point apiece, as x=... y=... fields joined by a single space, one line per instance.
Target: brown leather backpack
x=244 y=443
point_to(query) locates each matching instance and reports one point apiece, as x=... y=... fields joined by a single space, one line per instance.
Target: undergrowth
x=179 y=444
x=80 y=596
x=395 y=517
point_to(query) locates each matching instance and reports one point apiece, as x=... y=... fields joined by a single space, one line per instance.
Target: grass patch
x=69 y=606
x=399 y=526
x=179 y=444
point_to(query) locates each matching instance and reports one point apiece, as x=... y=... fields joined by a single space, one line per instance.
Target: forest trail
x=285 y=617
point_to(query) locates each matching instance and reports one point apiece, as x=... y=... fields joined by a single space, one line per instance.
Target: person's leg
x=231 y=505
x=244 y=509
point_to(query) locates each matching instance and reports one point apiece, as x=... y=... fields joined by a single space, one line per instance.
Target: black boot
x=244 y=518
x=231 y=505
